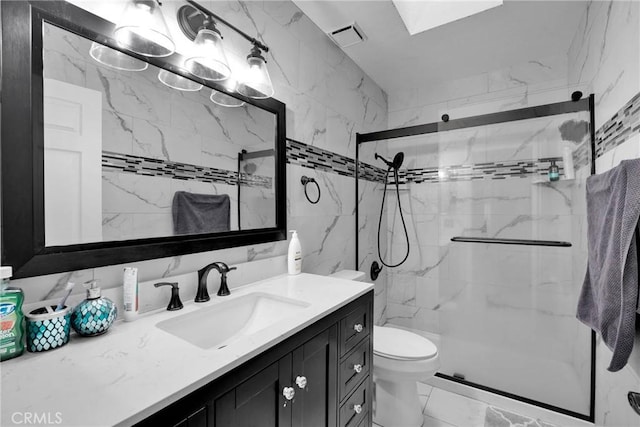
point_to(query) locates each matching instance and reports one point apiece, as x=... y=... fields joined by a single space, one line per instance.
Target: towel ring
x=306 y=180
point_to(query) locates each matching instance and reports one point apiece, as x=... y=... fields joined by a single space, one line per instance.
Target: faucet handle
x=224 y=268
x=174 y=303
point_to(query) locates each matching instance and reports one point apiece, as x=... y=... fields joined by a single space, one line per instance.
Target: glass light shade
x=209 y=61
x=225 y=100
x=256 y=82
x=143 y=30
x=115 y=59
x=178 y=82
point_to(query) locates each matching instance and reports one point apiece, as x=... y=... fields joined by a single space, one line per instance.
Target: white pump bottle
x=294 y=258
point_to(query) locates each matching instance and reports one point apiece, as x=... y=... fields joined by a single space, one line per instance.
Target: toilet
x=400 y=359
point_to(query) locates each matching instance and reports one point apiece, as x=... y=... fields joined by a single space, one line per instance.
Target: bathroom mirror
x=104 y=165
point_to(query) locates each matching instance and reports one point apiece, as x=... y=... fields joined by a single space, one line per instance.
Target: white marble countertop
x=136 y=369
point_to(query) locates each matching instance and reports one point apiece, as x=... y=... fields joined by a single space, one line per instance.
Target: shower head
x=396 y=163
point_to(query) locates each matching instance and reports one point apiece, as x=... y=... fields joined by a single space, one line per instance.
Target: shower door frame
x=565 y=107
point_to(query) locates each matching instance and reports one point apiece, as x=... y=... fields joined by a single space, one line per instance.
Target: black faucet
x=175 y=303
x=202 y=295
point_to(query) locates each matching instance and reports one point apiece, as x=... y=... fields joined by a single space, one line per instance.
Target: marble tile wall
x=372 y=219
x=535 y=82
x=328 y=98
x=604 y=58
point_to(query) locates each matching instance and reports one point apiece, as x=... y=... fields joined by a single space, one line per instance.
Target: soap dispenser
x=554 y=171
x=94 y=315
x=294 y=257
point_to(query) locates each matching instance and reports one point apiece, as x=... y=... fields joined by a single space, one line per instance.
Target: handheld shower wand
x=392 y=165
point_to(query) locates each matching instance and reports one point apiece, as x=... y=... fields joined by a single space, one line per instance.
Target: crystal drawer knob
x=288 y=393
x=301 y=381
x=358 y=327
x=358 y=368
x=357 y=408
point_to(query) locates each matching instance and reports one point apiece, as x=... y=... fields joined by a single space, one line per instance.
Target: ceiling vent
x=348 y=36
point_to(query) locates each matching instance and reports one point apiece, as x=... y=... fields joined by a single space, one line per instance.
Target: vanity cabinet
x=319 y=377
x=254 y=402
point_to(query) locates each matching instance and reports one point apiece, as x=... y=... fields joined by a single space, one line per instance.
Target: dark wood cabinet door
x=258 y=401
x=316 y=361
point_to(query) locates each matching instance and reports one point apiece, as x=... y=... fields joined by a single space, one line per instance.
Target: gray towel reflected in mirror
x=200 y=213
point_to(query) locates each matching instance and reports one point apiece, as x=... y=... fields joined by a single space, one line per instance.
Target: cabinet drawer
x=359 y=401
x=354 y=368
x=354 y=327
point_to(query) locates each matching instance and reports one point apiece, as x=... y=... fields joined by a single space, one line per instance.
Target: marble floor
x=442 y=408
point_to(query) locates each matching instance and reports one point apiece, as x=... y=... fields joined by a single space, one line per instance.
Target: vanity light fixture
x=197 y=24
x=225 y=100
x=115 y=59
x=143 y=30
x=256 y=82
x=178 y=82
x=209 y=61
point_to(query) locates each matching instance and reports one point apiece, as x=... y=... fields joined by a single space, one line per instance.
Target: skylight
x=422 y=15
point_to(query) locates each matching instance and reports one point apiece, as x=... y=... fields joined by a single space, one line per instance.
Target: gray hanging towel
x=200 y=213
x=609 y=296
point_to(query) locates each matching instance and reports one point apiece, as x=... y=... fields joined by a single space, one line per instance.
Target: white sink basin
x=216 y=325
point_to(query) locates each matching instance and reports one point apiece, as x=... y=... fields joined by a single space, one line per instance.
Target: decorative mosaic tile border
x=311 y=157
x=491 y=170
x=139 y=165
x=371 y=173
x=299 y=153
x=622 y=126
x=308 y=156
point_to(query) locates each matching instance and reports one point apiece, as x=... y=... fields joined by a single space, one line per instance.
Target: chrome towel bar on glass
x=307 y=180
x=510 y=241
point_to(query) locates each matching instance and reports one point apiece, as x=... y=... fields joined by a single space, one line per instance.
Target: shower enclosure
x=256 y=189
x=498 y=250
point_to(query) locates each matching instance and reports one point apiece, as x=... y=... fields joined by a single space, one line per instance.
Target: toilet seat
x=398 y=344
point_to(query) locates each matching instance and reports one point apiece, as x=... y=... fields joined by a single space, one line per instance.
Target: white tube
x=130 y=293
x=567 y=162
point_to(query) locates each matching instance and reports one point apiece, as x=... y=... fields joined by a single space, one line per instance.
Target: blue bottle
x=554 y=171
x=94 y=315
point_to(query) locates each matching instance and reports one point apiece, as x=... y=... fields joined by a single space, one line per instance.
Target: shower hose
x=404 y=225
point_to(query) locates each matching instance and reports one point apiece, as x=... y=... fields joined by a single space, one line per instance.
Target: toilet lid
x=400 y=344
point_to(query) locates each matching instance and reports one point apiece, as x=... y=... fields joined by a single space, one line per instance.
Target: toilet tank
x=357 y=276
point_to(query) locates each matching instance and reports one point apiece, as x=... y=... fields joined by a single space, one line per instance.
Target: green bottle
x=11 y=318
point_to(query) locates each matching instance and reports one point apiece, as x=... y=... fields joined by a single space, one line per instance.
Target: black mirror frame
x=22 y=153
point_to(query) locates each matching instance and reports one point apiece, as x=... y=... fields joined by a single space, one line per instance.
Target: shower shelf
x=394 y=189
x=510 y=241
x=538 y=181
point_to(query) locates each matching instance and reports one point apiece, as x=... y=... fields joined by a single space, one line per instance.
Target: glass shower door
x=507 y=312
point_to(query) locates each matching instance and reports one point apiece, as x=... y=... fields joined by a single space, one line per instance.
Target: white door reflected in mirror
x=72 y=164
